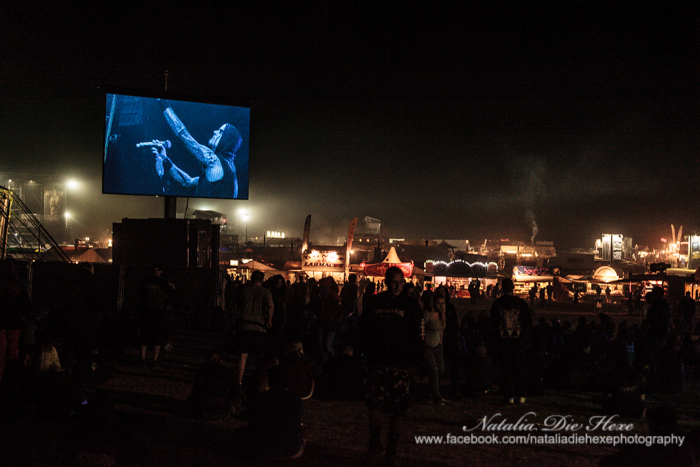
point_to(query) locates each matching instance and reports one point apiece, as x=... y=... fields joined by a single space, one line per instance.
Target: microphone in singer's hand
x=165 y=143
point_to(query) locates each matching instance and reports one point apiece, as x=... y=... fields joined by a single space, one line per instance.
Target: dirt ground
x=149 y=425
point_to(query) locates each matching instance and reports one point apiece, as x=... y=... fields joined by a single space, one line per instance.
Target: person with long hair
x=54 y=395
x=216 y=158
x=47 y=360
x=435 y=322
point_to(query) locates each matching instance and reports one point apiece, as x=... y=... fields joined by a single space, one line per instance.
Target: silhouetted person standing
x=153 y=327
x=391 y=339
x=686 y=307
x=256 y=308
x=511 y=319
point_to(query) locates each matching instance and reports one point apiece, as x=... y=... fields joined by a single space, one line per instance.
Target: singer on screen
x=218 y=172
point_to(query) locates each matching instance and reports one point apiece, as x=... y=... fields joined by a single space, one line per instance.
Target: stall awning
x=392 y=259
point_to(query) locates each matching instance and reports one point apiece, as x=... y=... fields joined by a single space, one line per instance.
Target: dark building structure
x=174 y=243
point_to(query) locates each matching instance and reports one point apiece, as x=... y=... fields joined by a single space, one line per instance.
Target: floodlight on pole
x=246 y=216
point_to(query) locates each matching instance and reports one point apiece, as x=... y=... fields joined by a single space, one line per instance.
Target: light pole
x=246 y=216
x=67 y=216
x=71 y=185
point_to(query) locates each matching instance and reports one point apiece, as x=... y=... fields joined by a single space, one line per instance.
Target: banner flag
x=307 y=228
x=351 y=234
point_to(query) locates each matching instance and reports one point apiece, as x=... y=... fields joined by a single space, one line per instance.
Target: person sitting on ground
x=260 y=382
x=214 y=392
x=274 y=419
x=477 y=368
x=299 y=370
x=54 y=395
x=343 y=378
x=622 y=388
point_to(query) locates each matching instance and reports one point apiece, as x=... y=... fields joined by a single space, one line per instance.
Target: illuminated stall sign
x=694 y=252
x=327 y=261
x=525 y=273
x=605 y=274
x=612 y=247
x=531 y=271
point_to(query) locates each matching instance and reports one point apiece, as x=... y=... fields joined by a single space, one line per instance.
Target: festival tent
x=90 y=256
x=256 y=266
x=83 y=254
x=293 y=266
x=392 y=259
x=247 y=268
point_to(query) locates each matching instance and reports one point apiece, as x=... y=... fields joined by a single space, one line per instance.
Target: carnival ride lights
x=489 y=268
x=465 y=262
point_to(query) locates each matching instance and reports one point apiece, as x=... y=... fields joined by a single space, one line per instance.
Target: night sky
x=440 y=119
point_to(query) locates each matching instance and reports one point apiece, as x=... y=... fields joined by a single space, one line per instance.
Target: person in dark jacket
x=153 y=327
x=391 y=338
x=511 y=320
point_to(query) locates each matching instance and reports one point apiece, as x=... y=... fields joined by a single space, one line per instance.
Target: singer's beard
x=211 y=144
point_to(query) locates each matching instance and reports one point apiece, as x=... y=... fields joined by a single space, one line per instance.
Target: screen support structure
x=170 y=211
x=170 y=207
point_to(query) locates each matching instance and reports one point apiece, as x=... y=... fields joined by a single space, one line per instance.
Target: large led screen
x=167 y=147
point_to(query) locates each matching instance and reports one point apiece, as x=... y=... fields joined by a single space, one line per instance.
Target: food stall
x=459 y=274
